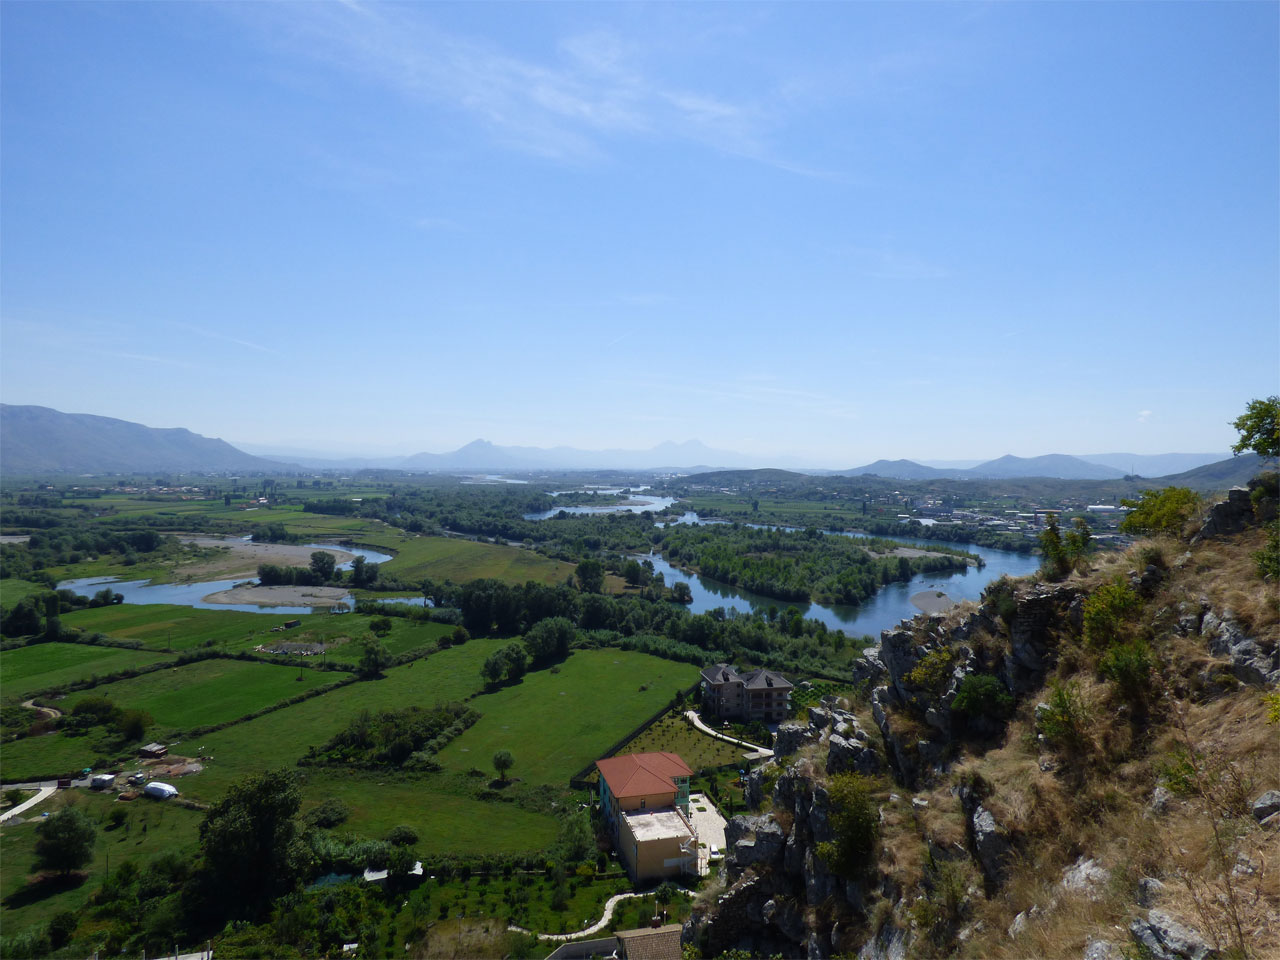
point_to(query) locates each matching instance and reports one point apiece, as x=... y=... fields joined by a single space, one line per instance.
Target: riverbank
x=932 y=601
x=281 y=596
x=243 y=556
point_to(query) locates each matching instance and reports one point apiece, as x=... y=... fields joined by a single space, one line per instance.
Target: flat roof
x=664 y=824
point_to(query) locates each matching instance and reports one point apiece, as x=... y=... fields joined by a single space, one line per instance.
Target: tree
x=549 y=640
x=323 y=564
x=380 y=626
x=633 y=573
x=1160 y=511
x=576 y=841
x=502 y=762
x=64 y=841
x=590 y=574
x=1055 y=565
x=459 y=636
x=374 y=658
x=249 y=840
x=1259 y=428
x=517 y=660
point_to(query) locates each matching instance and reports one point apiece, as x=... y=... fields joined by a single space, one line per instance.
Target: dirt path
x=44 y=794
x=51 y=712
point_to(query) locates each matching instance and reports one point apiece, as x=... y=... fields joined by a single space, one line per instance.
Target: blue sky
x=835 y=232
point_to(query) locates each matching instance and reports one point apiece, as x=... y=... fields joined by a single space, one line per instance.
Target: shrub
x=1128 y=666
x=330 y=813
x=1000 y=596
x=1106 y=610
x=933 y=671
x=1064 y=721
x=855 y=823
x=1267 y=560
x=402 y=836
x=981 y=694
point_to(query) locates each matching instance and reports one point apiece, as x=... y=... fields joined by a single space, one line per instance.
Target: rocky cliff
x=1080 y=769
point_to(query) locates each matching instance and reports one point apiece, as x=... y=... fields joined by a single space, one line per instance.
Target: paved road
x=585 y=931
x=45 y=793
x=756 y=752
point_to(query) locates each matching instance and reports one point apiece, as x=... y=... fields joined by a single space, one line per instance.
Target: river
x=193 y=594
x=889 y=606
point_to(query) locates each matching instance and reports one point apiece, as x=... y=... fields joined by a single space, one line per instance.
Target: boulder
x=844 y=755
x=1085 y=877
x=1101 y=950
x=1227 y=516
x=1149 y=890
x=1266 y=805
x=990 y=844
x=792 y=736
x=1164 y=938
x=1249 y=662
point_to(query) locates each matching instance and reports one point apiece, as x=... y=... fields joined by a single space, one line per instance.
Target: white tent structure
x=161 y=791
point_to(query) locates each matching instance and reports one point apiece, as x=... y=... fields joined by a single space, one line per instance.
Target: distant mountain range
x=1102 y=466
x=35 y=440
x=1057 y=465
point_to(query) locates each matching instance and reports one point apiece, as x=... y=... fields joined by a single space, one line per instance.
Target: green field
x=48 y=755
x=12 y=591
x=445 y=821
x=158 y=625
x=208 y=692
x=280 y=738
x=446 y=558
x=27 y=669
x=150 y=830
x=557 y=723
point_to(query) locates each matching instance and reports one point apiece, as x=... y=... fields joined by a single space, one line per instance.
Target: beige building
x=645 y=800
x=763 y=695
x=657 y=844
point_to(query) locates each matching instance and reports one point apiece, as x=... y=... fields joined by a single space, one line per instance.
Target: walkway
x=585 y=931
x=45 y=793
x=757 y=752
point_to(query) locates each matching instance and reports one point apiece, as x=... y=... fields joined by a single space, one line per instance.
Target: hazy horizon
x=824 y=233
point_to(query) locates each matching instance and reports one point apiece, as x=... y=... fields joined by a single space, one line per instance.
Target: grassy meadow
x=208 y=692
x=557 y=723
x=27 y=669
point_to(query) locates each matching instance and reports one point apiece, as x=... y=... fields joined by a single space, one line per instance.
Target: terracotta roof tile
x=642 y=774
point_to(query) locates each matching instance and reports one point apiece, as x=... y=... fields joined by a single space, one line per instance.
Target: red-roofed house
x=645 y=801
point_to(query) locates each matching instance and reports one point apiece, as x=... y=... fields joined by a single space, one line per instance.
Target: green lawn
x=27 y=669
x=208 y=692
x=151 y=829
x=557 y=723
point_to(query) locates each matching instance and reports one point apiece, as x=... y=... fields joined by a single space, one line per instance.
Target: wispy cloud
x=149 y=358
x=210 y=334
x=756 y=391
x=888 y=263
x=565 y=106
x=1144 y=416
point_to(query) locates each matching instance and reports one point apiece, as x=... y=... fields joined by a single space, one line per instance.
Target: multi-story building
x=756 y=695
x=645 y=801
